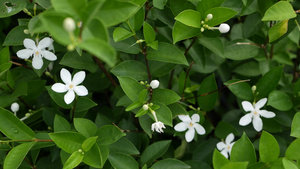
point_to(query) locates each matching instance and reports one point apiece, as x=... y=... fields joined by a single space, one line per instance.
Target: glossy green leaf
x=154 y=151
x=243 y=150
x=242 y=90
x=182 y=31
x=16 y=155
x=141 y=112
x=220 y=15
x=208 y=101
x=131 y=68
x=219 y=160
x=95 y=29
x=134 y=105
x=124 y=161
x=13 y=128
x=240 y=50
x=235 y=165
x=293 y=150
x=16 y=36
x=88 y=143
x=159 y=3
x=223 y=129
x=248 y=69
x=84 y=104
x=204 y=5
x=268 y=148
x=4 y=55
x=170 y=163
x=44 y=3
x=137 y=20
x=4 y=68
x=12 y=7
x=131 y=87
x=68 y=141
x=119 y=145
x=295 y=130
x=149 y=33
x=61 y=124
x=95 y=157
x=108 y=135
x=278 y=30
x=165 y=96
x=213 y=44
x=282 y=10
x=280 y=100
x=121 y=34
x=288 y=164
x=35 y=25
x=71 y=7
x=164 y=114
x=85 y=126
x=190 y=18
x=74 y=160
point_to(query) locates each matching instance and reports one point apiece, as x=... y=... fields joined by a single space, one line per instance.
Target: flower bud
x=15 y=107
x=27 y=115
x=253 y=88
x=224 y=28
x=69 y=24
x=154 y=84
x=202 y=29
x=71 y=47
x=209 y=16
x=26 y=31
x=145 y=107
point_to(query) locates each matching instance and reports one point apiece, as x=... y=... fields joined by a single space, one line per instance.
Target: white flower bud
x=145 y=107
x=69 y=24
x=154 y=84
x=224 y=28
x=26 y=31
x=209 y=16
x=253 y=88
x=15 y=107
x=202 y=29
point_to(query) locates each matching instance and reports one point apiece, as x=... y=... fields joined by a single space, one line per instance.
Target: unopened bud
x=71 y=47
x=154 y=84
x=141 y=82
x=145 y=107
x=202 y=29
x=26 y=31
x=27 y=115
x=253 y=88
x=15 y=107
x=69 y=24
x=224 y=28
x=202 y=22
x=209 y=16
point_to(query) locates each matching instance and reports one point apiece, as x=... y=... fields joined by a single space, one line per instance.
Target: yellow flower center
x=255 y=113
x=191 y=124
x=37 y=53
x=71 y=86
x=228 y=147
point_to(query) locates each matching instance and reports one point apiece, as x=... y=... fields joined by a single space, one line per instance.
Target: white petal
x=189 y=135
x=257 y=123
x=221 y=145
x=69 y=97
x=25 y=53
x=260 y=103
x=49 y=55
x=29 y=43
x=185 y=118
x=229 y=139
x=267 y=114
x=81 y=90
x=195 y=118
x=246 y=119
x=181 y=126
x=78 y=77
x=59 y=88
x=65 y=76
x=200 y=130
x=44 y=43
x=231 y=145
x=247 y=106
x=224 y=152
x=37 y=62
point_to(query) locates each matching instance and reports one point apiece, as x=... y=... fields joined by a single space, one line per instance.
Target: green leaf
x=241 y=90
x=282 y=10
x=12 y=7
x=213 y=44
x=295 y=130
x=288 y=164
x=243 y=150
x=4 y=68
x=182 y=31
x=4 y=55
x=88 y=143
x=68 y=141
x=95 y=157
x=137 y=20
x=149 y=33
x=71 y=7
x=109 y=134
x=141 y=112
x=220 y=15
x=58 y=98
x=100 y=49
x=223 y=129
x=95 y=29
x=85 y=126
x=235 y=165
x=280 y=100
x=204 y=5
x=208 y=101
x=249 y=69
x=74 y=160
x=159 y=3
x=84 y=104
x=154 y=151
x=131 y=68
x=119 y=145
x=74 y=60
x=120 y=34
x=167 y=53
x=165 y=96
x=16 y=155
x=134 y=105
x=268 y=82
x=293 y=151
x=13 y=128
x=44 y=3
x=268 y=148
x=124 y=161
x=164 y=114
x=278 y=30
x=170 y=163
x=16 y=36
x=219 y=160
x=131 y=87
x=190 y=18
x=240 y=50
x=61 y=124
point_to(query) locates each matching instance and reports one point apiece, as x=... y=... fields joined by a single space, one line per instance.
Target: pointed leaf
x=190 y=18
x=208 y=101
x=243 y=150
x=154 y=151
x=74 y=160
x=282 y=10
x=268 y=148
x=131 y=87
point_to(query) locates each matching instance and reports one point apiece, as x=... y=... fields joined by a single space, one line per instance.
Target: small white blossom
x=15 y=107
x=191 y=124
x=154 y=84
x=209 y=16
x=225 y=147
x=38 y=51
x=71 y=85
x=69 y=24
x=158 y=126
x=224 y=28
x=255 y=114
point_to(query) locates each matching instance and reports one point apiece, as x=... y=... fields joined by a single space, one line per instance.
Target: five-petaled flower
x=71 y=85
x=225 y=147
x=158 y=126
x=38 y=51
x=191 y=124
x=255 y=114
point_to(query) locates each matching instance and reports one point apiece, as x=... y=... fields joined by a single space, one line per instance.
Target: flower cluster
x=223 y=28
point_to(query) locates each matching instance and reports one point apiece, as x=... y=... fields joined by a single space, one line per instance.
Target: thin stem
x=105 y=71
x=19 y=64
x=147 y=65
x=186 y=76
x=189 y=47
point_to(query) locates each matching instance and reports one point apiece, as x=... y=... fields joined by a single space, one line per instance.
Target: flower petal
x=49 y=55
x=200 y=130
x=69 y=97
x=78 y=78
x=29 y=43
x=44 y=43
x=229 y=139
x=195 y=118
x=260 y=103
x=257 y=124
x=247 y=106
x=182 y=126
x=189 y=135
x=81 y=90
x=246 y=119
x=59 y=88
x=267 y=114
x=185 y=118
x=37 y=62
x=221 y=145
x=25 y=53
x=65 y=76
x=224 y=152
x=231 y=145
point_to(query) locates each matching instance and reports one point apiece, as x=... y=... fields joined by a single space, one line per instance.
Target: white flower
x=38 y=52
x=209 y=16
x=154 y=84
x=224 y=28
x=225 y=147
x=191 y=125
x=69 y=24
x=158 y=126
x=255 y=114
x=70 y=85
x=15 y=107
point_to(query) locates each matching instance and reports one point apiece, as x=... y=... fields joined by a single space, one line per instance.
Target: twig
x=19 y=64
x=105 y=71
